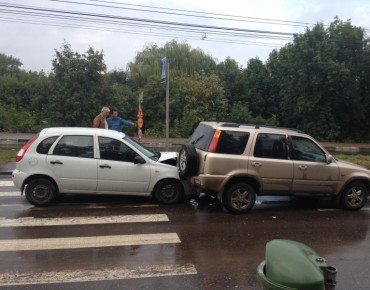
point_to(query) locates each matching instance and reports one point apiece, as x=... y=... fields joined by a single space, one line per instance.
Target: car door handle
x=302 y=167
x=56 y=162
x=105 y=166
x=256 y=164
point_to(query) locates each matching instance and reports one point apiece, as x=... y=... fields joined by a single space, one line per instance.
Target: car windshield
x=147 y=152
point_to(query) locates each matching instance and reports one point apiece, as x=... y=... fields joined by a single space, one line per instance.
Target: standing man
x=100 y=121
x=116 y=123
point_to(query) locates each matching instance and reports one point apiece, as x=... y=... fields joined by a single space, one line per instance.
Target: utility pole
x=167 y=105
x=165 y=77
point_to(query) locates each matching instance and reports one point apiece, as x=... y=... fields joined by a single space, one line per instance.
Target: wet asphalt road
x=185 y=246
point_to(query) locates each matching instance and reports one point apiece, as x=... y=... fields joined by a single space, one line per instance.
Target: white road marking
x=95 y=206
x=64 y=221
x=6 y=183
x=82 y=275
x=87 y=242
x=10 y=193
x=79 y=205
x=338 y=209
x=16 y=205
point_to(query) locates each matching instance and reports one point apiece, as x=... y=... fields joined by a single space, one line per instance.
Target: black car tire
x=169 y=191
x=239 y=198
x=188 y=161
x=40 y=192
x=354 y=196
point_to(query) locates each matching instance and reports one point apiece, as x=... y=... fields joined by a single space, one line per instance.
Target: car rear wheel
x=40 y=192
x=354 y=196
x=239 y=198
x=188 y=162
x=169 y=191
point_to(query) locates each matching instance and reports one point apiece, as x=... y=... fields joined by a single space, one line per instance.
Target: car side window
x=112 y=149
x=44 y=146
x=232 y=142
x=271 y=146
x=74 y=145
x=306 y=149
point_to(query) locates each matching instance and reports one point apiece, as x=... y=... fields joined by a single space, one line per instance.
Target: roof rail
x=230 y=125
x=256 y=126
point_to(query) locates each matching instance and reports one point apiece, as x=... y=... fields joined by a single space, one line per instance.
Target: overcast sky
x=117 y=28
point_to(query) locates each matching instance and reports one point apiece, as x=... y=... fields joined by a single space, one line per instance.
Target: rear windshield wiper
x=197 y=140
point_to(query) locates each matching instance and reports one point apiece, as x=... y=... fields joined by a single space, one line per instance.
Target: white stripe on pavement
x=64 y=221
x=339 y=209
x=87 y=242
x=17 y=205
x=79 y=205
x=79 y=275
x=96 y=205
x=6 y=183
x=10 y=193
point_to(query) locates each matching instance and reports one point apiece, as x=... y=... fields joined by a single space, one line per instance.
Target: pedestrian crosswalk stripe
x=6 y=183
x=96 y=205
x=83 y=275
x=65 y=221
x=17 y=205
x=87 y=242
x=10 y=193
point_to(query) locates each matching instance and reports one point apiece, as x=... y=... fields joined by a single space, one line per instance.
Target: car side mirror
x=329 y=158
x=139 y=160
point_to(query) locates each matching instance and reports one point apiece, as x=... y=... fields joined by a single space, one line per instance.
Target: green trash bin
x=290 y=265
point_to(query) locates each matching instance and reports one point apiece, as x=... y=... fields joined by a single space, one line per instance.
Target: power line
x=186 y=13
x=168 y=23
x=136 y=32
x=139 y=26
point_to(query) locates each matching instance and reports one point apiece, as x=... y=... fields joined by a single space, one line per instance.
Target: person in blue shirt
x=116 y=123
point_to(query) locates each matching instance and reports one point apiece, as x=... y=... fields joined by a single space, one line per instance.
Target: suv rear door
x=270 y=163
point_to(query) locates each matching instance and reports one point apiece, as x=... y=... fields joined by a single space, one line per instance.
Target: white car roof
x=81 y=130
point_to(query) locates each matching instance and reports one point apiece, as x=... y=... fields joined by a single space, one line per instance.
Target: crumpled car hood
x=167 y=155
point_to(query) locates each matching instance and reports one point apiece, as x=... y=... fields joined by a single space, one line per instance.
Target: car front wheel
x=239 y=198
x=40 y=192
x=169 y=191
x=354 y=196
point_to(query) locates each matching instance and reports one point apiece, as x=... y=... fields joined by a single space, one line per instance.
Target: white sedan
x=98 y=161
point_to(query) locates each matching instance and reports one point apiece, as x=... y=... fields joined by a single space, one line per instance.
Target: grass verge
x=7 y=155
x=363 y=160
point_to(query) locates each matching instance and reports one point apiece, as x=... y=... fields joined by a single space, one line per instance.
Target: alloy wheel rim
x=240 y=199
x=355 y=196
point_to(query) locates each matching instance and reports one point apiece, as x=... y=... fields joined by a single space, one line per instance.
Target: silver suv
x=236 y=162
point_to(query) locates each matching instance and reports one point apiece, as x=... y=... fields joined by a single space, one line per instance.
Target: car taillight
x=24 y=149
x=214 y=142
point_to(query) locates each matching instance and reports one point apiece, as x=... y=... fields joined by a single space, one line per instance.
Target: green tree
x=257 y=89
x=80 y=86
x=144 y=75
x=23 y=97
x=9 y=64
x=231 y=76
x=197 y=98
x=320 y=80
